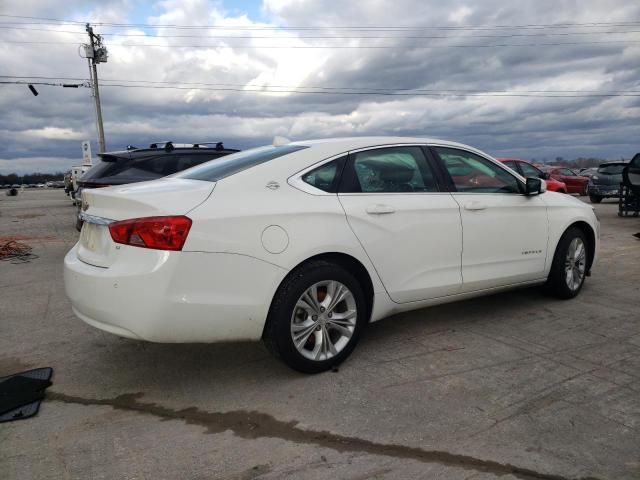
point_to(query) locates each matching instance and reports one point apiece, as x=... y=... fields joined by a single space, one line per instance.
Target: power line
x=373 y=92
x=335 y=27
x=409 y=94
x=345 y=47
x=328 y=88
x=50 y=84
x=295 y=37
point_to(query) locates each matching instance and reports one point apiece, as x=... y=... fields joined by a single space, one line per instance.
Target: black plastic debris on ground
x=21 y=393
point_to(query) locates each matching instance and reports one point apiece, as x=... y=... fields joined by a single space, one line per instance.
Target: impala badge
x=273 y=185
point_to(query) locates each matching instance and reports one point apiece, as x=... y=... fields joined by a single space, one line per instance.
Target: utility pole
x=96 y=53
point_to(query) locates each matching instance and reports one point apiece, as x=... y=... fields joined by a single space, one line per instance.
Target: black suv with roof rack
x=141 y=164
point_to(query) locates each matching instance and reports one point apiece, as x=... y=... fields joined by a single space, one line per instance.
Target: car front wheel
x=569 y=266
x=316 y=317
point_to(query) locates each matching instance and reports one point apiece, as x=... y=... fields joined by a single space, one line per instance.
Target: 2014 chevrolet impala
x=303 y=244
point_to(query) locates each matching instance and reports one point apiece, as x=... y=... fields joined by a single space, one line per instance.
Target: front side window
x=511 y=164
x=530 y=171
x=566 y=172
x=389 y=170
x=473 y=173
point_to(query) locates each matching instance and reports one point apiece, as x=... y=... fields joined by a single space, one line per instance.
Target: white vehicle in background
x=76 y=172
x=304 y=244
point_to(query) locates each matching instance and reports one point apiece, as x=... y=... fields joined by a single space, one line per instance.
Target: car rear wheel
x=569 y=266
x=316 y=317
x=595 y=198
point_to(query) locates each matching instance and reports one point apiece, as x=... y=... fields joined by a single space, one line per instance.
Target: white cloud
x=460 y=14
x=52 y=124
x=54 y=133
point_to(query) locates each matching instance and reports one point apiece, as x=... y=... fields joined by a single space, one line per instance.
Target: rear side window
x=237 y=162
x=157 y=166
x=326 y=176
x=473 y=173
x=145 y=168
x=187 y=161
x=389 y=170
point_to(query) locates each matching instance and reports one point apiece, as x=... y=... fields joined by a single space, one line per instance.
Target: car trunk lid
x=102 y=206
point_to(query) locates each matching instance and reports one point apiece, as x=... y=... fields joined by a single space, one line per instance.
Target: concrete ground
x=516 y=385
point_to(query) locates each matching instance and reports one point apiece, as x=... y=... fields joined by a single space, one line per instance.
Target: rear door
x=504 y=231
x=410 y=230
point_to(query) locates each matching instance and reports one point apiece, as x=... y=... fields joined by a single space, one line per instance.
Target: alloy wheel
x=323 y=320
x=575 y=264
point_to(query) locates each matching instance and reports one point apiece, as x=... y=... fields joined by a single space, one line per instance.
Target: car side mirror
x=535 y=186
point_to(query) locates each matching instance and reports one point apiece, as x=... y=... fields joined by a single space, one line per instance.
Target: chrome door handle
x=475 y=206
x=380 y=209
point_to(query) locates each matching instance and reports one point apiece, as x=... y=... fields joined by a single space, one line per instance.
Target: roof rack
x=169 y=145
x=218 y=145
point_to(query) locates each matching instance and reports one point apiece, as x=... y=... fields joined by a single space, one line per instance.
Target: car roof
x=350 y=143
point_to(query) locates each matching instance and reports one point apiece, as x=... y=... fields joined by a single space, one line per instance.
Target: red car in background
x=574 y=182
x=527 y=170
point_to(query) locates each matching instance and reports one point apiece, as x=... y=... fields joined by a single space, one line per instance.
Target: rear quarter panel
x=283 y=226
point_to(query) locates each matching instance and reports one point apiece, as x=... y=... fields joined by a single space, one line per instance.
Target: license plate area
x=92 y=237
x=95 y=245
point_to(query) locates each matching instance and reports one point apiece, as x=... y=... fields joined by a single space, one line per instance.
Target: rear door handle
x=475 y=206
x=380 y=209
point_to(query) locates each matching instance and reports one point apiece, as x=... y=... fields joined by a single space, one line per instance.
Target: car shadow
x=127 y=366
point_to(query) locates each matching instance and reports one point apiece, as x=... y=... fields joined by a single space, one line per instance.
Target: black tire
x=557 y=281
x=277 y=332
x=595 y=199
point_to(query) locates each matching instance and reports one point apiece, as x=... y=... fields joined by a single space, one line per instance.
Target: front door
x=574 y=183
x=410 y=230
x=504 y=231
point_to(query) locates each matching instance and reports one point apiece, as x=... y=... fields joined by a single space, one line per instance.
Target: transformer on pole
x=96 y=53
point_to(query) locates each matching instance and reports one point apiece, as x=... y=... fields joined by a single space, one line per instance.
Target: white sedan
x=303 y=244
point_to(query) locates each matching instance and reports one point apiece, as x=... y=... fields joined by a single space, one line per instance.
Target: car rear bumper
x=172 y=297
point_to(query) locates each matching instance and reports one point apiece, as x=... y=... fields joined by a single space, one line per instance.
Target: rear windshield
x=122 y=169
x=611 y=169
x=214 y=171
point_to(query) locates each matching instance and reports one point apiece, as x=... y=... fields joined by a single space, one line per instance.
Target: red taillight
x=160 y=233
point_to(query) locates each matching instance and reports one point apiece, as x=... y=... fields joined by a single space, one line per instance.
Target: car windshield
x=611 y=169
x=232 y=164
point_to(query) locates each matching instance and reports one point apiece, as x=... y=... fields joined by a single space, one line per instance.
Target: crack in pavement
x=252 y=425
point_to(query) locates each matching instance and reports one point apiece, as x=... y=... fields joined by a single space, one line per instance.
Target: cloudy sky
x=532 y=79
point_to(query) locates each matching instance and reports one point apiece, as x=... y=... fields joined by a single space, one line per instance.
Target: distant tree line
x=30 y=178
